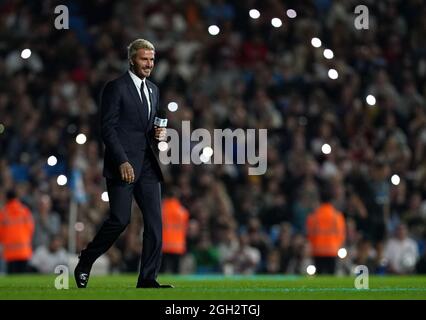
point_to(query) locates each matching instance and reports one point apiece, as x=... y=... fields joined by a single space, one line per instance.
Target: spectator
x=47 y=258
x=326 y=230
x=175 y=226
x=16 y=232
x=301 y=256
x=273 y=262
x=259 y=240
x=244 y=260
x=206 y=255
x=47 y=222
x=401 y=252
x=365 y=256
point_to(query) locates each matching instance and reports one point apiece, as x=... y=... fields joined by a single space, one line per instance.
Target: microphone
x=160 y=119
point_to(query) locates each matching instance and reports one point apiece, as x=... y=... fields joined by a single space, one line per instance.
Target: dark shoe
x=152 y=284
x=81 y=275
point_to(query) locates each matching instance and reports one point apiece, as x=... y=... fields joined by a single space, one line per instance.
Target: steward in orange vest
x=175 y=225
x=16 y=232
x=326 y=231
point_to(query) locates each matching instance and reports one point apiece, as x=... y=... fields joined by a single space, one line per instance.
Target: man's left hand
x=160 y=134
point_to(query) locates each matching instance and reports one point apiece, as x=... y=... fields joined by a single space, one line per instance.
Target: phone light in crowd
x=342 y=253
x=276 y=22
x=1 y=128
x=326 y=148
x=172 y=106
x=311 y=270
x=254 y=14
x=104 y=196
x=316 y=42
x=332 y=74
x=291 y=13
x=79 y=226
x=395 y=179
x=208 y=152
x=26 y=53
x=214 y=30
x=328 y=54
x=81 y=138
x=62 y=180
x=204 y=158
x=51 y=161
x=163 y=146
x=371 y=100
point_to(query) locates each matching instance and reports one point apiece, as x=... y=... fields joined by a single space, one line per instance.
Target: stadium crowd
x=250 y=75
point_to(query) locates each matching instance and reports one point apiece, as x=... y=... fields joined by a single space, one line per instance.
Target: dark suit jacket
x=126 y=131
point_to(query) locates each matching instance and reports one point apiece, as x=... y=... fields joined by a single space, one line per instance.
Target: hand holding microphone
x=160 y=134
x=160 y=124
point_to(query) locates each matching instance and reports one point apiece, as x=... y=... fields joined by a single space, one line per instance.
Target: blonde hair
x=138 y=44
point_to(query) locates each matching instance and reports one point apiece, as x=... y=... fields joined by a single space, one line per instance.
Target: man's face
x=143 y=62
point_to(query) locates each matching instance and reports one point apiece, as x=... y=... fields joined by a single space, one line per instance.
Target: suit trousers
x=147 y=193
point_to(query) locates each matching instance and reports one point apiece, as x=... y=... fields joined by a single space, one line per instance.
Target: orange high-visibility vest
x=175 y=224
x=16 y=231
x=326 y=231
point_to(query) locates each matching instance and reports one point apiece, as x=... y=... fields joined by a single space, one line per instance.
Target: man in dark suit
x=128 y=107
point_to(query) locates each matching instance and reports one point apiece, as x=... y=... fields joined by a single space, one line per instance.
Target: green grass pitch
x=214 y=287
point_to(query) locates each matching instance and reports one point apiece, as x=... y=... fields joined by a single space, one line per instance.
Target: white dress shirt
x=138 y=83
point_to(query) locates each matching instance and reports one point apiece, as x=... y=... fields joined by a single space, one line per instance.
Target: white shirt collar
x=136 y=79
